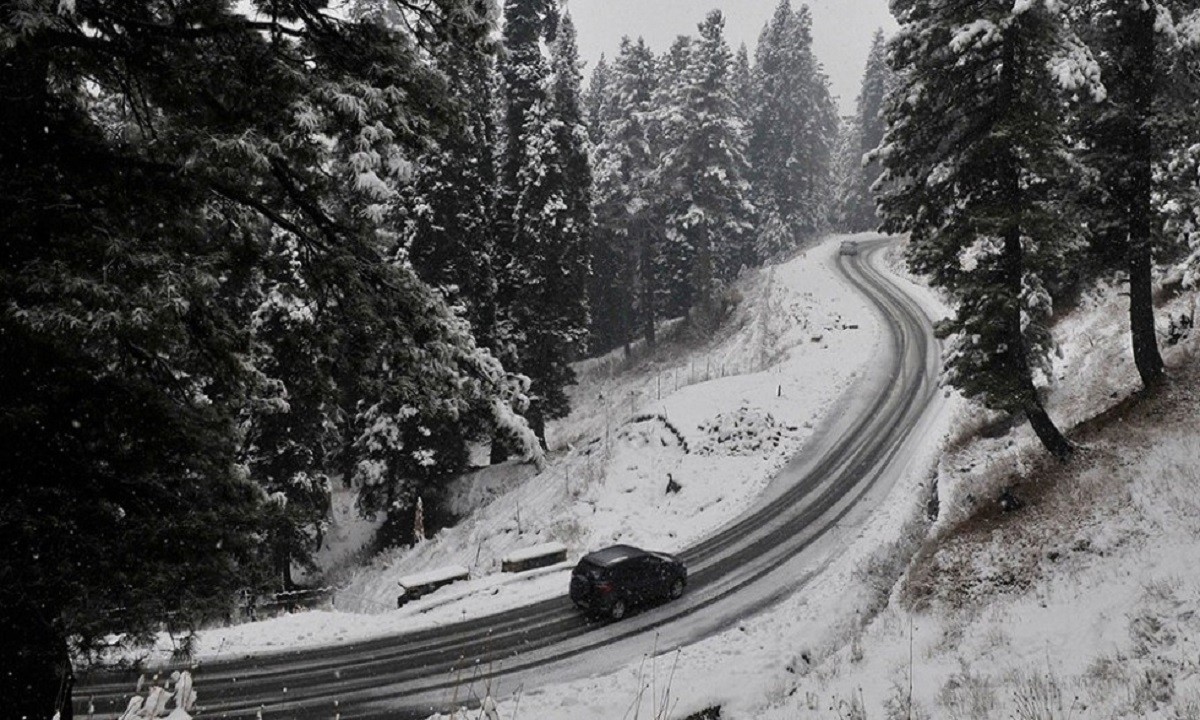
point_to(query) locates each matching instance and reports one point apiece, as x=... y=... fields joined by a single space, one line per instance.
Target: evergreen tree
x=857 y=213
x=604 y=298
x=792 y=135
x=607 y=286
x=974 y=153
x=293 y=440
x=625 y=280
x=524 y=74
x=574 y=149
x=669 y=193
x=1149 y=76
x=847 y=169
x=702 y=177
x=742 y=81
x=527 y=24
x=196 y=195
x=595 y=100
x=399 y=457
x=451 y=230
x=543 y=285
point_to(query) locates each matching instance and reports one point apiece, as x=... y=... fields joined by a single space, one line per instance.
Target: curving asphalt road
x=748 y=564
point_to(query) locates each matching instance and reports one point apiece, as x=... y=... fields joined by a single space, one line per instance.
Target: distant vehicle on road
x=615 y=579
x=849 y=247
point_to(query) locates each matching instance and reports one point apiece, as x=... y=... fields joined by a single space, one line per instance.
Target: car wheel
x=676 y=588
x=618 y=610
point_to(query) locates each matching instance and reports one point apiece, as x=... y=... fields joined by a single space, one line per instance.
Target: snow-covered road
x=784 y=538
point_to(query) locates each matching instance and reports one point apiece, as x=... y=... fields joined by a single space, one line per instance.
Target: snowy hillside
x=1079 y=604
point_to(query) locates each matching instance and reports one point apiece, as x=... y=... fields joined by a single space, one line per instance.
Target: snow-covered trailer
x=538 y=556
x=421 y=584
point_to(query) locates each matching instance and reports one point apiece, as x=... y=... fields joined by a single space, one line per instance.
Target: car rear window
x=590 y=571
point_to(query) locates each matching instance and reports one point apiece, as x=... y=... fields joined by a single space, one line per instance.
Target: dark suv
x=612 y=580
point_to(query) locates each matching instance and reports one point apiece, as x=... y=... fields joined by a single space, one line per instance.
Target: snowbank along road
x=768 y=551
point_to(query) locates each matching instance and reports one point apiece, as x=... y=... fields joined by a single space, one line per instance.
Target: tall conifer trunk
x=648 y=284
x=1014 y=269
x=1043 y=426
x=1139 y=252
x=537 y=422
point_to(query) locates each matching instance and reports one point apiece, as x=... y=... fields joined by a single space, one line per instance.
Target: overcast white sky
x=842 y=30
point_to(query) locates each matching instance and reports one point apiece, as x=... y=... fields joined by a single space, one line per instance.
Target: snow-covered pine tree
x=702 y=177
x=668 y=193
x=605 y=301
x=451 y=227
x=974 y=159
x=168 y=158
x=857 y=212
x=742 y=82
x=527 y=24
x=595 y=100
x=627 y=240
x=792 y=134
x=1177 y=173
x=524 y=73
x=416 y=385
x=607 y=304
x=543 y=284
x=574 y=149
x=293 y=441
x=847 y=169
x=1149 y=69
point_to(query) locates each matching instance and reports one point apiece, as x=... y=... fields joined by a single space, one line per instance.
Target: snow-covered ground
x=1081 y=604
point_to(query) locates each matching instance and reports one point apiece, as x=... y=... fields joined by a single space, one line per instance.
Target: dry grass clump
x=879 y=572
x=1039 y=696
x=969 y=696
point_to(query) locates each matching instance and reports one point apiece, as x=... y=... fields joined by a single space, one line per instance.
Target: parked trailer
x=261 y=607
x=421 y=584
x=538 y=556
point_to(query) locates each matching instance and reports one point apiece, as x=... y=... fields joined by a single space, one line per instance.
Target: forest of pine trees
x=855 y=171
x=704 y=164
x=255 y=249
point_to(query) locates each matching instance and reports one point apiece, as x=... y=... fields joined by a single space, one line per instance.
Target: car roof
x=615 y=554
